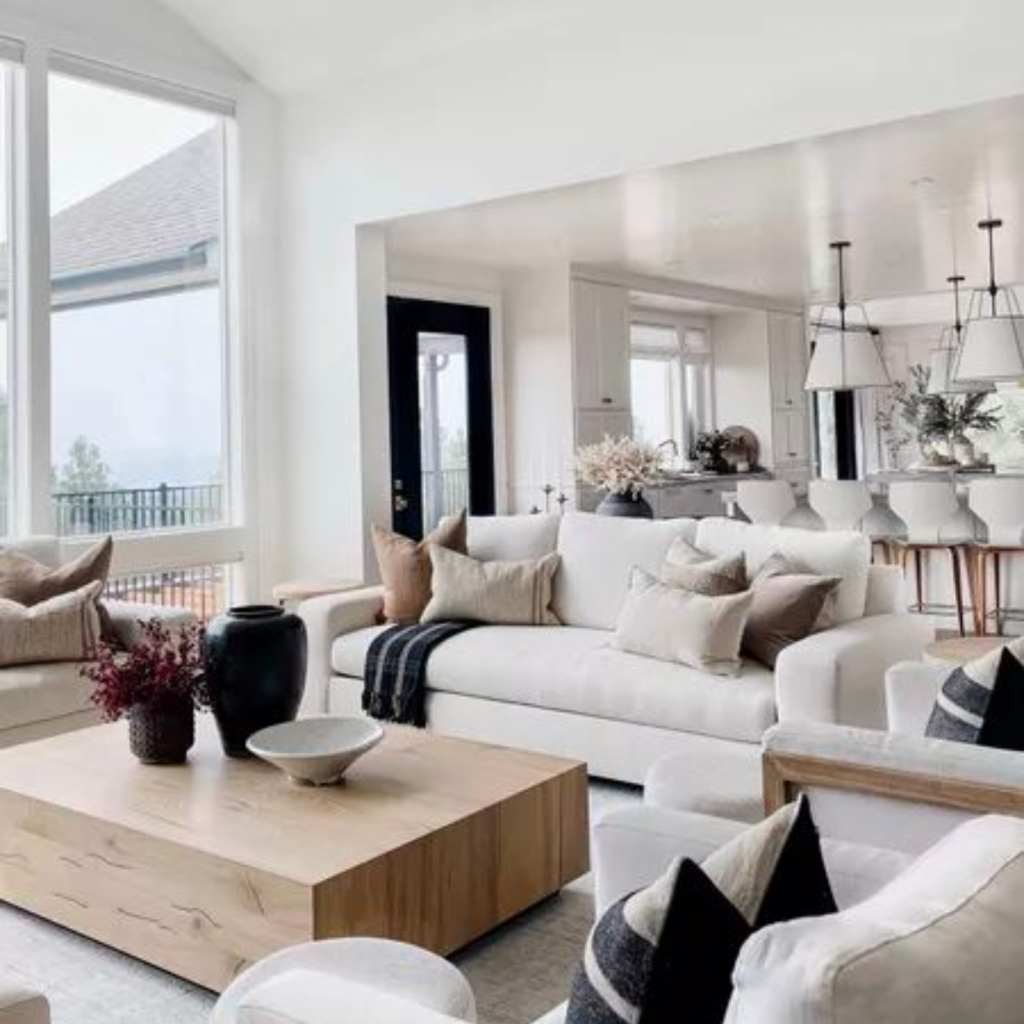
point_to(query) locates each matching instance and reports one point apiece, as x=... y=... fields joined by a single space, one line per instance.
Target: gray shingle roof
x=150 y=231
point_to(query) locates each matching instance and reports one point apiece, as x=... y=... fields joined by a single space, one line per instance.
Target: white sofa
x=564 y=690
x=45 y=699
x=22 y=1005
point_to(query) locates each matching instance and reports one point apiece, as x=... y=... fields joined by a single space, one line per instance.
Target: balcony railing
x=137 y=509
x=444 y=491
x=203 y=589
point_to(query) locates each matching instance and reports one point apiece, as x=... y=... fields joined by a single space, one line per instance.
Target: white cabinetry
x=600 y=347
x=787 y=361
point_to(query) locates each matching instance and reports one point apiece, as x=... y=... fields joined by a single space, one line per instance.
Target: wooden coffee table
x=206 y=868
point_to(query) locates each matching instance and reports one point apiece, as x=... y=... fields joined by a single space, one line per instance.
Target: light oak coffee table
x=205 y=868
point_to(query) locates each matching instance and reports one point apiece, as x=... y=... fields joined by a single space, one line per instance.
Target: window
x=671 y=383
x=6 y=303
x=138 y=354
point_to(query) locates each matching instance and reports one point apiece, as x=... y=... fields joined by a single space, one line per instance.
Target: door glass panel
x=444 y=426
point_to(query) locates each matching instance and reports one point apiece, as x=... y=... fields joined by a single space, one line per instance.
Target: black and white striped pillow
x=673 y=945
x=982 y=702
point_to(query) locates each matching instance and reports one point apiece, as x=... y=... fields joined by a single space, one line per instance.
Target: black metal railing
x=203 y=589
x=138 y=509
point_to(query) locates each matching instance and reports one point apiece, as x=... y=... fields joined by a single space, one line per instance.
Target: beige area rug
x=518 y=972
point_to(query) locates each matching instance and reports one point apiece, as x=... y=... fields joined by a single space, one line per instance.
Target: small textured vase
x=255 y=670
x=625 y=505
x=161 y=734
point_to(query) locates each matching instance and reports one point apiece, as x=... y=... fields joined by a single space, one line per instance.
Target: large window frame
x=29 y=351
x=689 y=381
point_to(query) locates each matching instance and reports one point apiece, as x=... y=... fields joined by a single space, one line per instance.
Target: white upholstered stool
x=721 y=783
x=401 y=970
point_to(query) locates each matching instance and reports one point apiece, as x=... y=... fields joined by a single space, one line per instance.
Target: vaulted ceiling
x=300 y=45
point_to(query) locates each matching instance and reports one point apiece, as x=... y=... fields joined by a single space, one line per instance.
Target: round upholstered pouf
x=721 y=783
x=393 y=967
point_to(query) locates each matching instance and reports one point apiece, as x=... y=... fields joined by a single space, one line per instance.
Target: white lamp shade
x=941 y=380
x=991 y=349
x=844 y=360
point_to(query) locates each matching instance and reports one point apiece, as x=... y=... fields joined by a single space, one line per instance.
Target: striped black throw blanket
x=395 y=679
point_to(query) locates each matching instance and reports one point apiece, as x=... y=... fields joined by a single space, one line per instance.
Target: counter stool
x=767 y=502
x=843 y=505
x=999 y=504
x=926 y=506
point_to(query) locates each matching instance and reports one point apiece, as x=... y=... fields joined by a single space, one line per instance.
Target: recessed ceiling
x=907 y=194
x=301 y=45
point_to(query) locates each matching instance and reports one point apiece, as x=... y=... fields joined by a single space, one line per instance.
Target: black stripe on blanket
x=395 y=677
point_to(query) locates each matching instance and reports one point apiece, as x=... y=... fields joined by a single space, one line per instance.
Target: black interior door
x=441 y=412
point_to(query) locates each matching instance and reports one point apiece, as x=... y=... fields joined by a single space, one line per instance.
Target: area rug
x=518 y=972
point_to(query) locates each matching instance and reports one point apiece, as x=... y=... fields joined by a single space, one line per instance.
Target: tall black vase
x=256 y=671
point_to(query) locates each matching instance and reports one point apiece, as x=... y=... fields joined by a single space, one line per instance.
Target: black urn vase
x=256 y=671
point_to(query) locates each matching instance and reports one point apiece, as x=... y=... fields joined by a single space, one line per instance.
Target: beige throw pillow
x=672 y=624
x=695 y=570
x=501 y=593
x=64 y=628
x=28 y=582
x=405 y=566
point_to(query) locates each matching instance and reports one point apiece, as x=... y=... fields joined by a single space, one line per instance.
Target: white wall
x=538 y=373
x=742 y=379
x=620 y=90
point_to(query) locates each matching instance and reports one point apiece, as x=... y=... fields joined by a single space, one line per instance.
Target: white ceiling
x=302 y=45
x=908 y=195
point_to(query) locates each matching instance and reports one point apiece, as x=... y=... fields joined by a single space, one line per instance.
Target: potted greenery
x=622 y=468
x=157 y=683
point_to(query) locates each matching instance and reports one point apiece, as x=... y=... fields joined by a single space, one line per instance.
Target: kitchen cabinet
x=790 y=436
x=593 y=425
x=600 y=345
x=787 y=360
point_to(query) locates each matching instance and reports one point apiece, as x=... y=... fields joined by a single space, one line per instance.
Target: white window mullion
x=33 y=511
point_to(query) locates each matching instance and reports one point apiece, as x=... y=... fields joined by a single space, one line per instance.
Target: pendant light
x=992 y=345
x=846 y=350
x=943 y=361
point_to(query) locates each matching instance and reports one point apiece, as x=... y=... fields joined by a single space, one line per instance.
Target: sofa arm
x=326 y=619
x=942 y=773
x=839 y=675
x=315 y=997
x=632 y=846
x=21 y=1005
x=125 y=617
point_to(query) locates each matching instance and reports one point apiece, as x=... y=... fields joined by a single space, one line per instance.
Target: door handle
x=400 y=503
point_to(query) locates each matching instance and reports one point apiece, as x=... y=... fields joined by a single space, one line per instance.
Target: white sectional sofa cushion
x=925 y=942
x=569 y=669
x=511 y=538
x=598 y=555
x=836 y=553
x=29 y=693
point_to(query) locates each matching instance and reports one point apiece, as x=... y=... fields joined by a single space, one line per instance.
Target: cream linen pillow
x=64 y=628
x=670 y=624
x=501 y=593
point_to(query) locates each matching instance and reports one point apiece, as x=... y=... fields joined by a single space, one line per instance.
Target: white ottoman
x=720 y=783
x=394 y=967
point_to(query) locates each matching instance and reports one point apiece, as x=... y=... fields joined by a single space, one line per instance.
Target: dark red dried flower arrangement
x=163 y=669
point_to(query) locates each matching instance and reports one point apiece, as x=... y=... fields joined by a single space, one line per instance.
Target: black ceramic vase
x=256 y=671
x=625 y=505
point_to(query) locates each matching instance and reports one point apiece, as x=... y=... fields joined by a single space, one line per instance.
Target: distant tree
x=454 y=449
x=84 y=471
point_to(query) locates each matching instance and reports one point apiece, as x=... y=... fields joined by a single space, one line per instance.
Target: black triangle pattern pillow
x=665 y=954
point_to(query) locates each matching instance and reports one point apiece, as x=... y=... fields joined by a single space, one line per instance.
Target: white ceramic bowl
x=317 y=751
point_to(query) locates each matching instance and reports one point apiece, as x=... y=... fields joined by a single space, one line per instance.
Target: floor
x=518 y=972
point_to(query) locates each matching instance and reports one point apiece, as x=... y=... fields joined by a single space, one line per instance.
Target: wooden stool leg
x=919 y=578
x=982 y=571
x=954 y=555
x=997 y=584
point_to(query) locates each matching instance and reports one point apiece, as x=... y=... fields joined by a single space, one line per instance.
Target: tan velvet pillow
x=784 y=610
x=694 y=570
x=63 y=628
x=501 y=593
x=405 y=566
x=29 y=582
